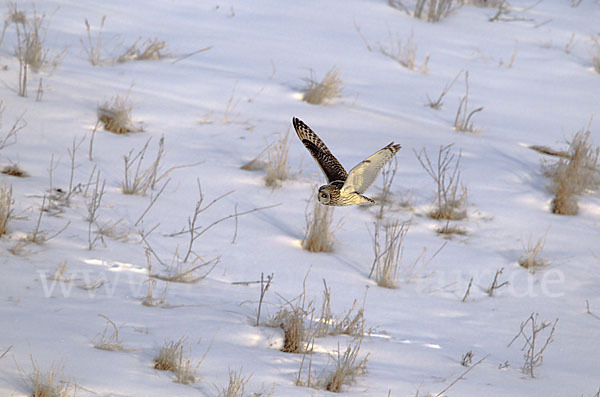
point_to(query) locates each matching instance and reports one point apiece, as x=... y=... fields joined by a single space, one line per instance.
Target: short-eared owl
x=343 y=188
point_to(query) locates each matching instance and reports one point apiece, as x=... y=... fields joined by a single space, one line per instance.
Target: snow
x=260 y=53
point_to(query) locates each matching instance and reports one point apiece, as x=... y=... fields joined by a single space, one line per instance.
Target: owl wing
x=364 y=174
x=331 y=167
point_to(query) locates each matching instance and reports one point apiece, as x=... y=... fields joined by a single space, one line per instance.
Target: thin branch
x=461 y=376
x=184 y=56
x=152 y=202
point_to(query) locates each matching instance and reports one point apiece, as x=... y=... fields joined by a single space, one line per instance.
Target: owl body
x=343 y=188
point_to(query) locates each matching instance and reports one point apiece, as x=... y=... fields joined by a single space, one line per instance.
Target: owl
x=343 y=188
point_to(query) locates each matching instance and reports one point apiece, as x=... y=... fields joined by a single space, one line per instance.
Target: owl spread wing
x=331 y=167
x=364 y=174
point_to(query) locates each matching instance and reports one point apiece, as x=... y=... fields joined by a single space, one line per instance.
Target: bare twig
x=461 y=376
x=464 y=299
x=495 y=285
x=264 y=287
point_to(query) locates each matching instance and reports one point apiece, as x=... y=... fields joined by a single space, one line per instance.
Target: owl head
x=324 y=194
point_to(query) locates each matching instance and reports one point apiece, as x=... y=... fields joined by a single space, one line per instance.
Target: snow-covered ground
x=220 y=108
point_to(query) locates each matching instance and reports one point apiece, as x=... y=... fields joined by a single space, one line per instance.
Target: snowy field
x=531 y=69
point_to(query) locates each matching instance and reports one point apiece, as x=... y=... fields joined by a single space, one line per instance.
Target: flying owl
x=343 y=188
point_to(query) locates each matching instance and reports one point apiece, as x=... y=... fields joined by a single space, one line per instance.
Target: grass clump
x=237 y=384
x=530 y=259
x=170 y=358
x=49 y=383
x=319 y=92
x=14 y=170
x=148 y=50
x=388 y=252
x=427 y=10
x=116 y=115
x=347 y=367
x=405 y=53
x=6 y=202
x=103 y=341
x=572 y=176
x=319 y=235
x=277 y=162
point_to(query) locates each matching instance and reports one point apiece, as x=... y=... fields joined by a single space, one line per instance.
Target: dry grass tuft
x=530 y=258
x=31 y=50
x=149 y=50
x=451 y=195
x=319 y=235
x=94 y=49
x=50 y=383
x=14 y=170
x=405 y=53
x=450 y=230
x=317 y=93
x=182 y=272
x=116 y=115
x=277 y=161
x=388 y=253
x=107 y=342
x=237 y=384
x=6 y=202
x=347 y=367
x=170 y=358
x=575 y=175
x=350 y=323
x=427 y=10
x=292 y=319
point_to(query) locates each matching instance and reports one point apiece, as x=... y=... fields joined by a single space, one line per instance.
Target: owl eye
x=323 y=195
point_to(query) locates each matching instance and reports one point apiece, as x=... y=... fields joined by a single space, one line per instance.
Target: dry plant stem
x=92 y=140
x=264 y=287
x=464 y=299
x=574 y=176
x=148 y=50
x=94 y=49
x=5 y=352
x=319 y=234
x=93 y=206
x=460 y=377
x=310 y=352
x=588 y=311
x=111 y=342
x=438 y=103
x=277 y=161
x=446 y=176
x=237 y=384
x=40 y=91
x=184 y=56
x=152 y=201
x=388 y=255
x=388 y=173
x=11 y=136
x=346 y=367
x=462 y=122
x=534 y=355
x=192 y=221
x=330 y=87
x=51 y=383
x=6 y=210
x=34 y=236
x=72 y=154
x=495 y=284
